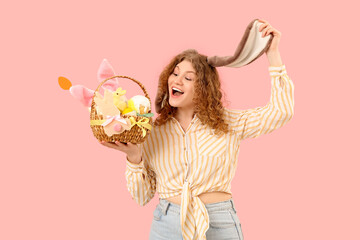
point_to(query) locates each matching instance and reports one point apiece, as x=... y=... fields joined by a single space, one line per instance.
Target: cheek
x=193 y=89
x=170 y=80
x=192 y=94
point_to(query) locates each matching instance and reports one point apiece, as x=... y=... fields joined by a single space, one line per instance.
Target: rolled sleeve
x=255 y=122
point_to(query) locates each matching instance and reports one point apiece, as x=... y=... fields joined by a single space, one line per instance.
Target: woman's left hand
x=267 y=30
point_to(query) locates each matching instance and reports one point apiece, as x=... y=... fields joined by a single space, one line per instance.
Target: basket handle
x=136 y=81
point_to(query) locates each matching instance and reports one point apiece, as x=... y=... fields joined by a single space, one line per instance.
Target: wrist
x=273 y=51
x=134 y=159
x=274 y=58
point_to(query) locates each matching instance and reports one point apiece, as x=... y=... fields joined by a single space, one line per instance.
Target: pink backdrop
x=58 y=182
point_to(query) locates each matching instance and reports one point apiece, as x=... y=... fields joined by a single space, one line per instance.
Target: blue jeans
x=223 y=221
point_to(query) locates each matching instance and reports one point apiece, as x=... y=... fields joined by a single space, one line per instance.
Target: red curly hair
x=207 y=100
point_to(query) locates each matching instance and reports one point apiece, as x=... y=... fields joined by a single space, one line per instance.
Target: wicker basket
x=134 y=135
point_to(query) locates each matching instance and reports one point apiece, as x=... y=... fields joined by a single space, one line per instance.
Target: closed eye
x=189 y=79
x=175 y=74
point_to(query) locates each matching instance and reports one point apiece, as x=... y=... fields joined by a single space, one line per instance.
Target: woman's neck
x=184 y=115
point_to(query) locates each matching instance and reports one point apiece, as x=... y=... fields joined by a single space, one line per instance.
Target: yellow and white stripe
x=194 y=161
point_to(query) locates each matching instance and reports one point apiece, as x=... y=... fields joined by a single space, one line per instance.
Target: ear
x=105 y=71
x=83 y=94
x=250 y=48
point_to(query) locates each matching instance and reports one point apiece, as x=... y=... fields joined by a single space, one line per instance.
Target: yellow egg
x=127 y=110
x=131 y=104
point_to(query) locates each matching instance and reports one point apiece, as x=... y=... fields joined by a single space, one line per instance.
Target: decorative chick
x=120 y=99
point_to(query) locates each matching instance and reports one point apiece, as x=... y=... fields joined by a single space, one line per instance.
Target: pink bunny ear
x=83 y=94
x=105 y=71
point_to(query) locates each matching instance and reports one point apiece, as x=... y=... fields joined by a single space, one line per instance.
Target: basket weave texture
x=134 y=135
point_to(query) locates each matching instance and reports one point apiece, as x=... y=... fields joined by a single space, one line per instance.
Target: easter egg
x=64 y=83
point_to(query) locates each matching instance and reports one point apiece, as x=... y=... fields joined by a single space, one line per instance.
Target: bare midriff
x=207 y=197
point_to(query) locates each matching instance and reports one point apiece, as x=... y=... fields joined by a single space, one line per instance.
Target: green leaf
x=145 y=115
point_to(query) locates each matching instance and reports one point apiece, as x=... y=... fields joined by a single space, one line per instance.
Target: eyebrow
x=186 y=71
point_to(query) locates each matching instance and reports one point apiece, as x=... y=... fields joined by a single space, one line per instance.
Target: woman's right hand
x=132 y=150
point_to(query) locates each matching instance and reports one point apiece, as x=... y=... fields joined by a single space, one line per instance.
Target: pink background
x=58 y=182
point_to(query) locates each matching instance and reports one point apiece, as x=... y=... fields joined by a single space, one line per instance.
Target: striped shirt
x=188 y=163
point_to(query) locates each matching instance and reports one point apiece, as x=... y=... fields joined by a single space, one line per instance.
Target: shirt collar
x=192 y=120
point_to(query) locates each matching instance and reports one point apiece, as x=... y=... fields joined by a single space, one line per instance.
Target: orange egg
x=64 y=83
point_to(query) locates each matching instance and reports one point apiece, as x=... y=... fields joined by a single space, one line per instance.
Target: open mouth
x=177 y=92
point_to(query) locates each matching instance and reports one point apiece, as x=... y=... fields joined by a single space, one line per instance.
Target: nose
x=178 y=80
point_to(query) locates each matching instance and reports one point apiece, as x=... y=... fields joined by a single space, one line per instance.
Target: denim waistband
x=165 y=206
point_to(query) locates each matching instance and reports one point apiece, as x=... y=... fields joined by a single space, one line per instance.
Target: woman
x=190 y=157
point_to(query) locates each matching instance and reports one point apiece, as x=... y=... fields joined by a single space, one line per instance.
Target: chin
x=172 y=105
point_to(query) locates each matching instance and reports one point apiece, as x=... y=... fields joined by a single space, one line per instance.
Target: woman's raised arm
x=254 y=122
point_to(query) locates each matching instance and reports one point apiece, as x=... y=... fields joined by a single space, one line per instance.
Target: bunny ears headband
x=251 y=47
